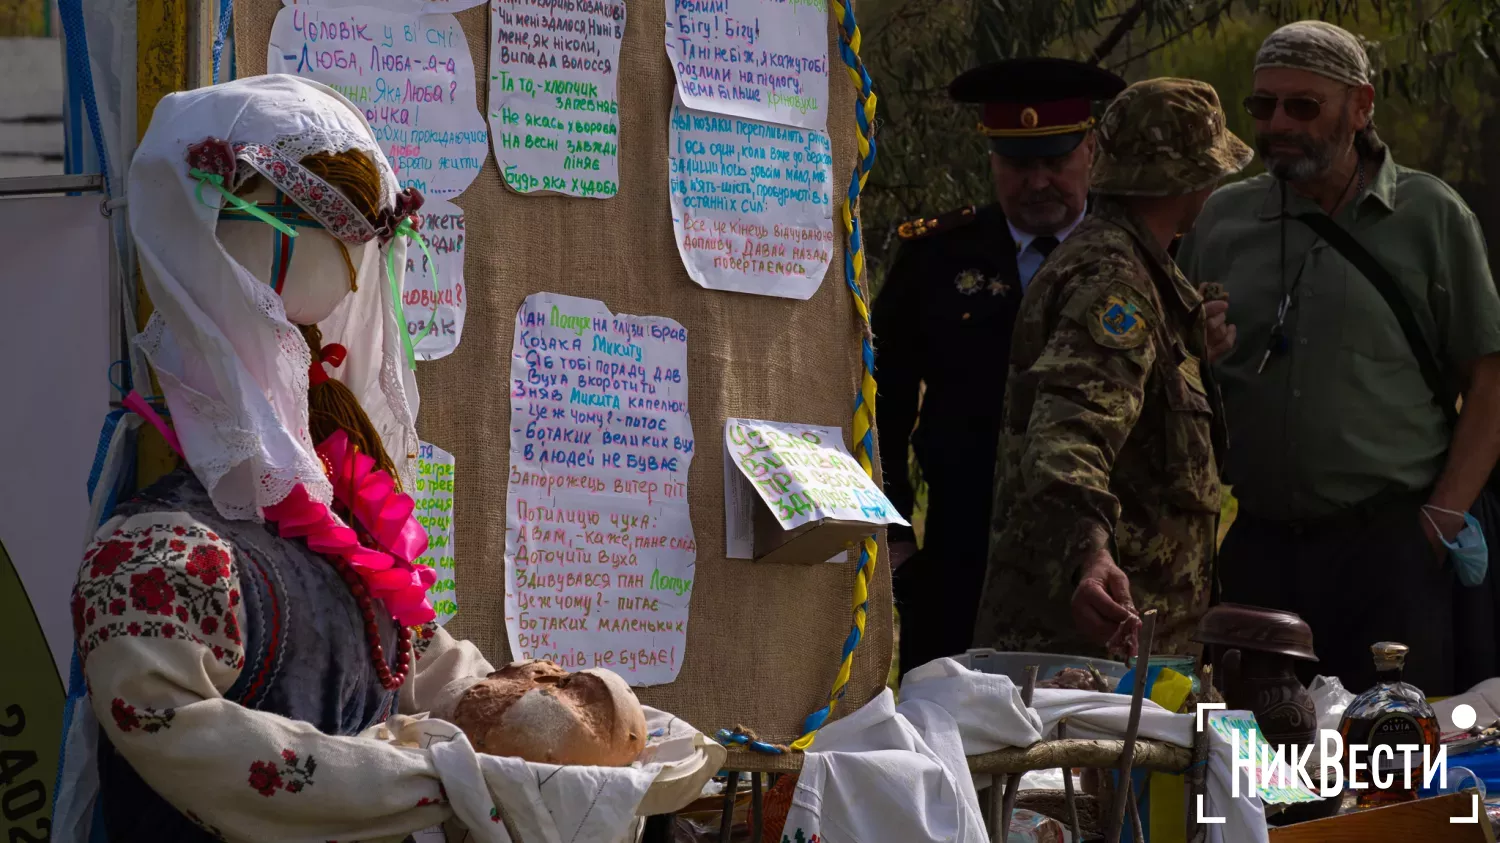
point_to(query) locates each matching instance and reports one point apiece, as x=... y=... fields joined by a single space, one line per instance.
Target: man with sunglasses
x=943 y=320
x=1347 y=275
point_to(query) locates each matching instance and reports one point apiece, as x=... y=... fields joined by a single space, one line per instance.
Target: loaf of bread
x=537 y=711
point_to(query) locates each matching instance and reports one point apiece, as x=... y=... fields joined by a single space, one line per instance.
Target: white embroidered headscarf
x=233 y=370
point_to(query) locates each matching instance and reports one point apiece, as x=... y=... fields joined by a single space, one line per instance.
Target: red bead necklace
x=390 y=680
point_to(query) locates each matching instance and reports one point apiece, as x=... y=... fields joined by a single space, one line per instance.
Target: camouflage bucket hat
x=1165 y=137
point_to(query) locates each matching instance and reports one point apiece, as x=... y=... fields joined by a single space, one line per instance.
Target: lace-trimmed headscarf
x=233 y=369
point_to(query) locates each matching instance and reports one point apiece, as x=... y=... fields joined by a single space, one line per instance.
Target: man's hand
x=900 y=552
x=1221 y=334
x=1102 y=607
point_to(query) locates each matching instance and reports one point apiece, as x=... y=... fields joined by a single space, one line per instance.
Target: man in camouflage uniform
x=1107 y=492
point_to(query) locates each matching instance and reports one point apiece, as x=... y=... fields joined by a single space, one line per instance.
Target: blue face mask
x=1470 y=552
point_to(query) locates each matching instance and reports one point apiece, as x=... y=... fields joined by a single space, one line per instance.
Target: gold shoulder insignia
x=926 y=226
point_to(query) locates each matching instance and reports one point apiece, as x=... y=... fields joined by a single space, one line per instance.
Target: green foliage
x=1436 y=61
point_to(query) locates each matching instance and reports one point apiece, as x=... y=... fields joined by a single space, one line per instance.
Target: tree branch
x=1223 y=7
x=1118 y=32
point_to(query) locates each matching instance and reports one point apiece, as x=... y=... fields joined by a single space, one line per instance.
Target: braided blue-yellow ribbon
x=864 y=402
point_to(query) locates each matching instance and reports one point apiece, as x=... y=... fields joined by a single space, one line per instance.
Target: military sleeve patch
x=1118 y=318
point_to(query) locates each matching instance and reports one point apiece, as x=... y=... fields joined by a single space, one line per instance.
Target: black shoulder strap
x=1385 y=284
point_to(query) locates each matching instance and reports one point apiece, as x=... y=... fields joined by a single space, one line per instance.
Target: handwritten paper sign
x=761 y=59
x=752 y=208
x=599 y=548
x=435 y=309
x=804 y=473
x=410 y=74
x=1275 y=782
x=413 y=6
x=554 y=114
x=434 y=510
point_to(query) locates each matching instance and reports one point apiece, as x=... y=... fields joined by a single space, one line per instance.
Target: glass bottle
x=1395 y=714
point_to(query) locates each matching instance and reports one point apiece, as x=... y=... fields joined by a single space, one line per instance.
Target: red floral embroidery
x=148 y=720
x=427 y=800
x=150 y=592
x=137 y=583
x=208 y=563
x=109 y=558
x=494 y=815
x=124 y=715
x=319 y=198
x=267 y=777
x=422 y=641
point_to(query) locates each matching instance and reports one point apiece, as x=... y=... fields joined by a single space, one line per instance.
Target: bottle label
x=1396 y=731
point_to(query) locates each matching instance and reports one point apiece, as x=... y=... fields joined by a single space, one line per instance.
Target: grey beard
x=1298 y=169
x=1315 y=160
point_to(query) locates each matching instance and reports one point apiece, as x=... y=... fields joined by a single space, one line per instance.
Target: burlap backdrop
x=763 y=640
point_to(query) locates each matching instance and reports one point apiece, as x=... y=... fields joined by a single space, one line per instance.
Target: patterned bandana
x=1317 y=47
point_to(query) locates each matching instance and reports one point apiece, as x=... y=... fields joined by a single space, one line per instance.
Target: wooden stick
x=1135 y=814
x=726 y=822
x=1127 y=755
x=1013 y=785
x=1068 y=797
x=757 y=817
x=1102 y=754
x=1197 y=771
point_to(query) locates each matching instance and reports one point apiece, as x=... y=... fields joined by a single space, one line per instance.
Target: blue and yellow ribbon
x=864 y=402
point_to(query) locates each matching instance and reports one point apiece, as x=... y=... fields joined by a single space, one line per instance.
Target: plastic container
x=1048 y=664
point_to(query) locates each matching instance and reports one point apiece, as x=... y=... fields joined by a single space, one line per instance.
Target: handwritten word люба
x=411 y=75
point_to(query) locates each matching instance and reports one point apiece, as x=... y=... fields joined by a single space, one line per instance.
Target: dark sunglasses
x=1263 y=107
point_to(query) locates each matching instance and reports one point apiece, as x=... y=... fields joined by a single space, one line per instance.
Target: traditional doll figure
x=244 y=619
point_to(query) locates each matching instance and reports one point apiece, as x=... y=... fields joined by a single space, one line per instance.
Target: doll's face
x=317 y=277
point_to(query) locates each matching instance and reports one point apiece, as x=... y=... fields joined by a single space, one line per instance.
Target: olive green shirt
x=1341 y=414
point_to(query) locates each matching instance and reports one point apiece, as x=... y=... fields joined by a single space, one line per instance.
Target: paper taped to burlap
x=764 y=641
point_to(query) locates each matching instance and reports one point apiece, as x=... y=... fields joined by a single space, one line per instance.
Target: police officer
x=1107 y=486
x=943 y=320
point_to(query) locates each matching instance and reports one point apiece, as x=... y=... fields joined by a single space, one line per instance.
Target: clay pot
x=1253 y=651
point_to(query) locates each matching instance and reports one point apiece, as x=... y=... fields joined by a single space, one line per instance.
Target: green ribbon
x=217 y=183
x=405 y=230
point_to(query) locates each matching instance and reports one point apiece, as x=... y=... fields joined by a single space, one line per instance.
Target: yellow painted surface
x=161 y=68
x=25 y=19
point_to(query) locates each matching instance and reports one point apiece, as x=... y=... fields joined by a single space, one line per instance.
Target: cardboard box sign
x=824 y=540
x=794 y=495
